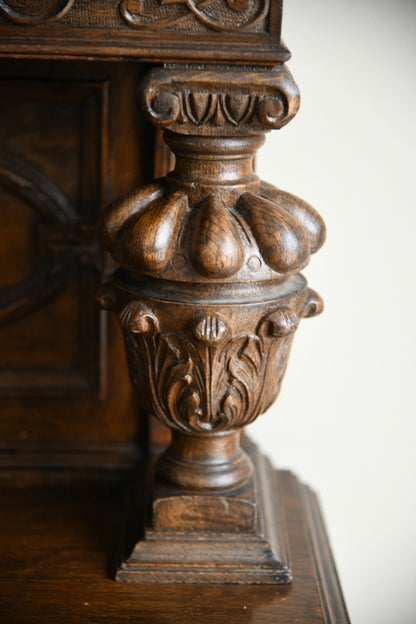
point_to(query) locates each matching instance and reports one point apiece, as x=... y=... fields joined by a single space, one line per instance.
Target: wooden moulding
x=330 y=593
x=259 y=555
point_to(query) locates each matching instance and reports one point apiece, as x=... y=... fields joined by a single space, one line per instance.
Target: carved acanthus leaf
x=208 y=384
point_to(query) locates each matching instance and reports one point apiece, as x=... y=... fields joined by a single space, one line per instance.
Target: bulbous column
x=209 y=295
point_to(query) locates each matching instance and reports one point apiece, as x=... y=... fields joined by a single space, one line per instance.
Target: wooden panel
x=70 y=140
x=52 y=135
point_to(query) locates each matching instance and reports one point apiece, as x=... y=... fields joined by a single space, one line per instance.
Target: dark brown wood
x=186 y=545
x=58 y=550
x=65 y=151
x=241 y=31
x=209 y=298
x=204 y=279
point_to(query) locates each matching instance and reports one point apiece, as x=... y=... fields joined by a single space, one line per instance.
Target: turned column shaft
x=211 y=462
x=213 y=164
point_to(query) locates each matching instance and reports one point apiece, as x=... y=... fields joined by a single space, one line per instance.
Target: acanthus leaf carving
x=245 y=362
x=213 y=383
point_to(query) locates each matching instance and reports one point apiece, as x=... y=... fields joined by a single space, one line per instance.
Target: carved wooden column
x=209 y=295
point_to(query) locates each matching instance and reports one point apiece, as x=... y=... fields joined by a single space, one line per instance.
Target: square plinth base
x=250 y=557
x=259 y=555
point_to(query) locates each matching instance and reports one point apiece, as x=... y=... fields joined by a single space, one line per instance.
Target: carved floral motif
x=218 y=15
x=206 y=379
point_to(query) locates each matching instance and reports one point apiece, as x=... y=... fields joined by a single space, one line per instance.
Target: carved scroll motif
x=46 y=16
x=218 y=15
x=238 y=102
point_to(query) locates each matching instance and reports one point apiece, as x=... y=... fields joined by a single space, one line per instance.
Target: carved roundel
x=43 y=12
x=57 y=247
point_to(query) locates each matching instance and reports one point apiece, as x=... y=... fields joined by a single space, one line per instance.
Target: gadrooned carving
x=217 y=15
x=145 y=231
x=184 y=101
x=62 y=242
x=47 y=16
x=206 y=378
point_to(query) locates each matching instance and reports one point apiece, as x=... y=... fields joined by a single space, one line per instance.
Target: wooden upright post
x=209 y=295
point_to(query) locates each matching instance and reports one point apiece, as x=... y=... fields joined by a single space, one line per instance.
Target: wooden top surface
x=58 y=548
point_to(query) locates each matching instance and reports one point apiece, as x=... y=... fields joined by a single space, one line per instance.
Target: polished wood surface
x=209 y=295
x=58 y=556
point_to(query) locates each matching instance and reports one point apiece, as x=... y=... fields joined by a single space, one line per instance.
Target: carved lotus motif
x=145 y=231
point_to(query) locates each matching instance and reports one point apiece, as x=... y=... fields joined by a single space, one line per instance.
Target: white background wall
x=345 y=421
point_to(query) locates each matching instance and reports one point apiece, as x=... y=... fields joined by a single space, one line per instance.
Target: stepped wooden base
x=73 y=581
x=259 y=555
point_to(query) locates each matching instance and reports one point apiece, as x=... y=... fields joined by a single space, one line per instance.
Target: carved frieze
x=149 y=15
x=217 y=15
x=213 y=31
